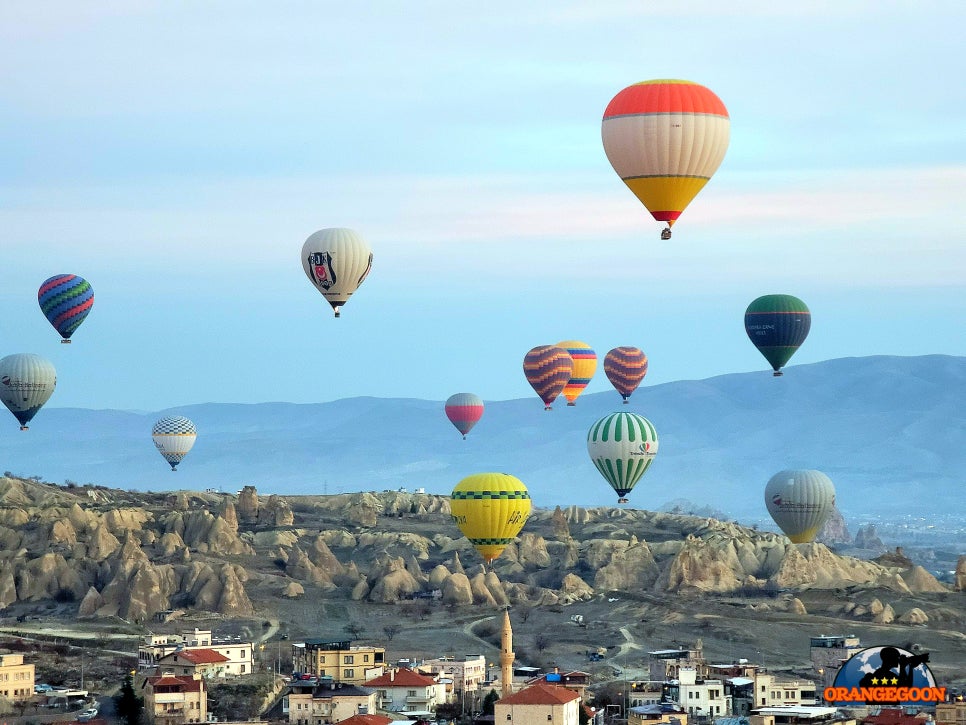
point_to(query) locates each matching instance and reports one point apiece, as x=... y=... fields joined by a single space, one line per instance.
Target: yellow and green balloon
x=490 y=509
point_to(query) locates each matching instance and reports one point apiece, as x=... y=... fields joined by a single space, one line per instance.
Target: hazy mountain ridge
x=889 y=431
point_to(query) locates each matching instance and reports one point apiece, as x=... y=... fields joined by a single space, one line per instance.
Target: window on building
x=365 y=658
x=348 y=674
x=411 y=693
x=347 y=660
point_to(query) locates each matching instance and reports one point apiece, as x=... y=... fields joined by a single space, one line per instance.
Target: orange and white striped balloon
x=665 y=139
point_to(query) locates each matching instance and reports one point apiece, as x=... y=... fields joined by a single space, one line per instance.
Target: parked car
x=42 y=688
x=87 y=715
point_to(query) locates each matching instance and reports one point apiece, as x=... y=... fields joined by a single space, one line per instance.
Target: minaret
x=506 y=656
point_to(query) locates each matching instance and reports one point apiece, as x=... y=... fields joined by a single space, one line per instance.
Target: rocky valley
x=391 y=566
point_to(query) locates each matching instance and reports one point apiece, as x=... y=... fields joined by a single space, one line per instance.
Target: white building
x=404 y=690
x=700 y=698
x=467 y=673
x=239 y=656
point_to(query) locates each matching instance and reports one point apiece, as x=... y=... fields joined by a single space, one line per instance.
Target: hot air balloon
x=490 y=509
x=665 y=139
x=336 y=261
x=66 y=300
x=800 y=501
x=173 y=437
x=464 y=410
x=585 y=363
x=625 y=367
x=548 y=369
x=622 y=446
x=26 y=382
x=777 y=325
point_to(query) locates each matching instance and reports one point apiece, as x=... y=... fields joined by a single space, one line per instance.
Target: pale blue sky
x=177 y=154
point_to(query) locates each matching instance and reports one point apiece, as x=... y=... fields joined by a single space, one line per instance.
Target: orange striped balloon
x=548 y=369
x=665 y=139
x=625 y=367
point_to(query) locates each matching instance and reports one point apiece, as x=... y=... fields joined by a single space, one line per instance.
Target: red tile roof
x=196 y=657
x=366 y=720
x=186 y=684
x=892 y=716
x=540 y=694
x=403 y=677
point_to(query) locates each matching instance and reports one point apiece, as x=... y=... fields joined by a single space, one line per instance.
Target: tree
x=354 y=630
x=128 y=705
x=390 y=630
x=541 y=641
x=523 y=611
x=489 y=702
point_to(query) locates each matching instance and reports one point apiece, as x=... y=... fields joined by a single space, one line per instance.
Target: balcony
x=165 y=698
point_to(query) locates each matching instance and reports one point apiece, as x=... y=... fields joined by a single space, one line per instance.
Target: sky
x=177 y=155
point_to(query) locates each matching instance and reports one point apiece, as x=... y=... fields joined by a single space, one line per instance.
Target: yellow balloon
x=585 y=364
x=490 y=509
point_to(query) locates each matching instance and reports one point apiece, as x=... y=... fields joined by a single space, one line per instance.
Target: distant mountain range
x=889 y=431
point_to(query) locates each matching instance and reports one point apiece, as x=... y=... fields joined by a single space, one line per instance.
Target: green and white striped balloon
x=622 y=446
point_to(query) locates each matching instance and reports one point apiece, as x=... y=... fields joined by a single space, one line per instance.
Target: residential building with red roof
x=539 y=704
x=204 y=662
x=240 y=655
x=574 y=680
x=175 y=700
x=403 y=690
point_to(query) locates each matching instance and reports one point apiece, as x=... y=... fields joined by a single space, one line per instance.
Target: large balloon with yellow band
x=585 y=364
x=665 y=139
x=490 y=509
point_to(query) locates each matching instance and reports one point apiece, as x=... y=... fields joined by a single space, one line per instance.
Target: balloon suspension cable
x=666 y=233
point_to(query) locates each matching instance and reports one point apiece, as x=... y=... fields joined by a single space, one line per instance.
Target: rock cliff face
x=121 y=554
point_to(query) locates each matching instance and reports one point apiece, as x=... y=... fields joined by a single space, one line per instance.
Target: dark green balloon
x=777 y=325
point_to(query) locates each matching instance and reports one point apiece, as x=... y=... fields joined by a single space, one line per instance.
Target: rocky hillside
x=131 y=554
